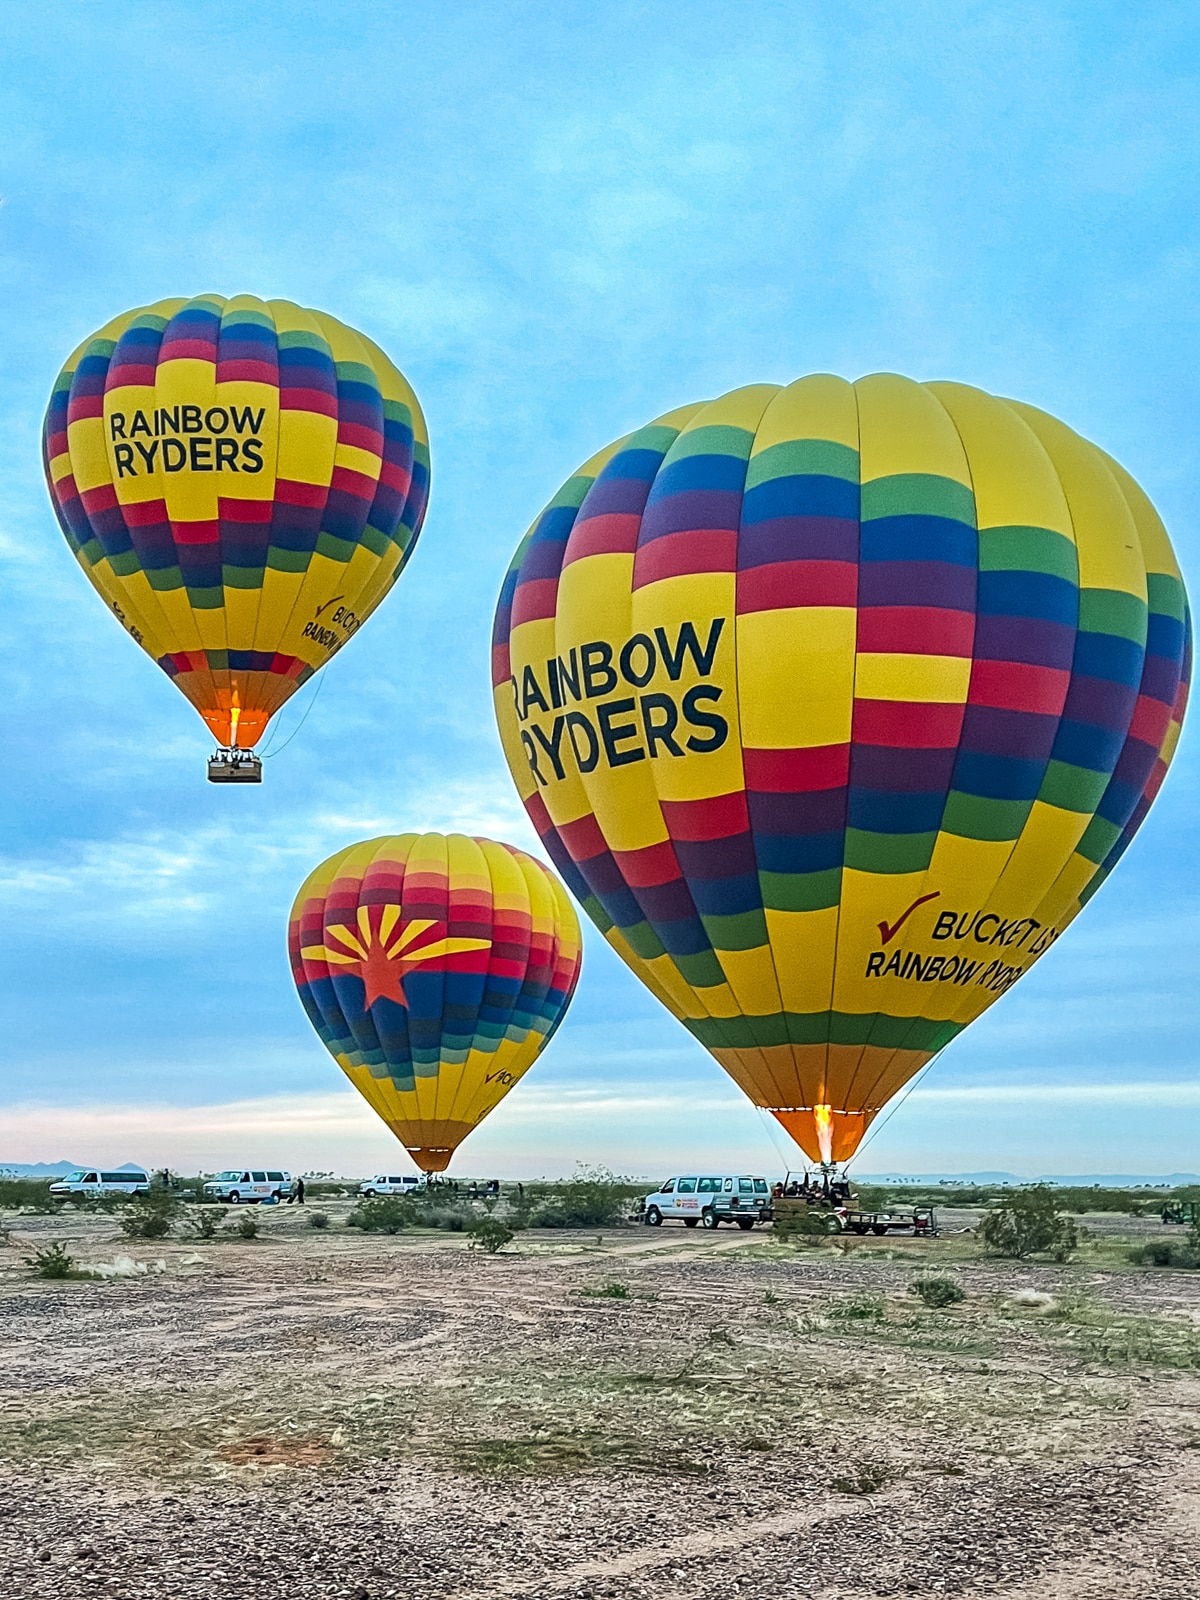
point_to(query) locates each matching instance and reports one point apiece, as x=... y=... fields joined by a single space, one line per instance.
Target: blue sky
x=560 y=220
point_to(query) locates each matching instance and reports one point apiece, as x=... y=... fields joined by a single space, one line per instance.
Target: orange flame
x=823 y=1117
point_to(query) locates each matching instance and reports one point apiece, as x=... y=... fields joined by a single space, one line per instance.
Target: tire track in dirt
x=690 y=1547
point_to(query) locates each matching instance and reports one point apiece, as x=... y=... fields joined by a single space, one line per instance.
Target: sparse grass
x=545 y=1453
x=246 y=1226
x=318 y=1219
x=835 y=1356
x=1095 y=1333
x=860 y=1307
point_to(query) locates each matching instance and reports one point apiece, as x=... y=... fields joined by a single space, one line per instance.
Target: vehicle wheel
x=690 y=1222
x=860 y=1228
x=710 y=1219
x=654 y=1217
x=878 y=1231
x=234 y=1198
x=370 y=1193
x=745 y=1223
x=833 y=1224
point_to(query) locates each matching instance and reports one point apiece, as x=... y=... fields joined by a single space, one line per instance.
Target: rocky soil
x=319 y=1415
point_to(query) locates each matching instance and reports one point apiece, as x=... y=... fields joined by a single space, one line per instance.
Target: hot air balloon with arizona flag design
x=834 y=704
x=242 y=481
x=435 y=969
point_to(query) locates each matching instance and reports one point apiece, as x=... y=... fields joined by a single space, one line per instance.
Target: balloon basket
x=231 y=765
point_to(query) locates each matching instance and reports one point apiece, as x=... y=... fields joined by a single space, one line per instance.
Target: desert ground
x=325 y=1414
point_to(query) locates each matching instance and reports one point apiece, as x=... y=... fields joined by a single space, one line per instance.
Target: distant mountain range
x=55 y=1169
x=1104 y=1180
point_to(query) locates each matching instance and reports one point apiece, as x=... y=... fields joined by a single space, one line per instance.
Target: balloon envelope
x=435 y=969
x=833 y=704
x=242 y=482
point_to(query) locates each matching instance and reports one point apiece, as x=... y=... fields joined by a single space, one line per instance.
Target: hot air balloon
x=435 y=968
x=833 y=704
x=242 y=481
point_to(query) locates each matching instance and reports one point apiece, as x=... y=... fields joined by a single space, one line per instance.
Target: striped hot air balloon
x=242 y=481
x=834 y=704
x=435 y=969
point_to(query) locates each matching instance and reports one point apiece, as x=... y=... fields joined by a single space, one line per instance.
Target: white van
x=90 y=1182
x=404 y=1183
x=246 y=1184
x=709 y=1201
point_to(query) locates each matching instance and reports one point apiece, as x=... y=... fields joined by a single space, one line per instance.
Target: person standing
x=297 y=1193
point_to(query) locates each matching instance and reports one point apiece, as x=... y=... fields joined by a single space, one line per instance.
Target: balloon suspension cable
x=878 y=1127
x=268 y=754
x=770 y=1127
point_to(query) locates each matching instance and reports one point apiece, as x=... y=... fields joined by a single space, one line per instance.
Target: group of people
x=818 y=1190
x=477 y=1191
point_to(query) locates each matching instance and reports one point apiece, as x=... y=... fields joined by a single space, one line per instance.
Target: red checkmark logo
x=888 y=932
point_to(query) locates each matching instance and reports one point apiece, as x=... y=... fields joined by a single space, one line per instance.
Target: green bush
x=390 y=1213
x=610 y=1291
x=1165 y=1253
x=26 y=1194
x=53 y=1262
x=205 y=1221
x=489 y=1233
x=1027 y=1222
x=1076 y=1199
x=246 y=1227
x=937 y=1293
x=803 y=1225
x=317 y=1219
x=593 y=1197
x=150 y=1216
x=451 y=1221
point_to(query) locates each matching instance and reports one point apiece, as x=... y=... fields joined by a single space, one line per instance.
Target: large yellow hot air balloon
x=435 y=969
x=833 y=704
x=242 y=481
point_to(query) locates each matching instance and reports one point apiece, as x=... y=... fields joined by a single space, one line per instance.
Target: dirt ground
x=319 y=1414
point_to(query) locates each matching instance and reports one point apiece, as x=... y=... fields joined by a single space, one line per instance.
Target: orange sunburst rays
x=382 y=960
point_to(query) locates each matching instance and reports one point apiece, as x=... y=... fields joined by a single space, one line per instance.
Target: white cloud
x=541 y=1129
x=537 y=1130
x=1132 y=1093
